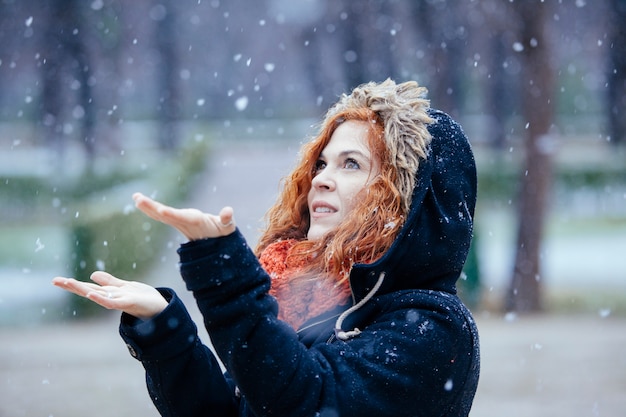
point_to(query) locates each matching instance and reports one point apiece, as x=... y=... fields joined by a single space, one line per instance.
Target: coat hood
x=431 y=248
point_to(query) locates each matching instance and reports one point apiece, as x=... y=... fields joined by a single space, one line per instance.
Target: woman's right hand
x=135 y=298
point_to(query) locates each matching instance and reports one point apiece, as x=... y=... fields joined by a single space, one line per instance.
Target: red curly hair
x=370 y=229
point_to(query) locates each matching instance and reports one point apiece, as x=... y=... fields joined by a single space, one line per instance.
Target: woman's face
x=342 y=170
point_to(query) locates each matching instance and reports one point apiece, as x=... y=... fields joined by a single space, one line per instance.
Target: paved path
x=548 y=366
x=543 y=366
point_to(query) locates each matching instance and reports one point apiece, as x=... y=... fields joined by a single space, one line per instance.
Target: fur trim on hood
x=403 y=109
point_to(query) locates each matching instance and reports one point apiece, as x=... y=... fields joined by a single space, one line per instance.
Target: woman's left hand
x=192 y=223
x=135 y=298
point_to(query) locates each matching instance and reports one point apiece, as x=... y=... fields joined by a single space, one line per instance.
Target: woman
x=348 y=305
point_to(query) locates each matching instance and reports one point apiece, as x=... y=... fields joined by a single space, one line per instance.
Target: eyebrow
x=350 y=152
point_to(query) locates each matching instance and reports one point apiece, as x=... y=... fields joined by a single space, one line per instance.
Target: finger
x=160 y=212
x=226 y=217
x=74 y=286
x=87 y=290
x=64 y=284
x=104 y=279
x=148 y=206
x=59 y=281
x=105 y=300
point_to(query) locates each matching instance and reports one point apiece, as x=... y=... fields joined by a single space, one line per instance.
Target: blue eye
x=351 y=164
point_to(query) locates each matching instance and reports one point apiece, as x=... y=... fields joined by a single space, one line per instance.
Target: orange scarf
x=300 y=298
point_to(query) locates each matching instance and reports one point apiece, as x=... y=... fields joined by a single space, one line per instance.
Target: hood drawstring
x=339 y=332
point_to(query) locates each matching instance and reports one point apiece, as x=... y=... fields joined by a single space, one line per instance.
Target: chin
x=316 y=233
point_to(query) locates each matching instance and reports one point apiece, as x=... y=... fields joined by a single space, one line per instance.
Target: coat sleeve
x=404 y=363
x=172 y=355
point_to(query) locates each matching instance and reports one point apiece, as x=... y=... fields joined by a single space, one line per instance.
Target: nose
x=323 y=180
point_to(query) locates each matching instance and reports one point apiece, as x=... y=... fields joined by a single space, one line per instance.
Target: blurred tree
x=524 y=294
x=314 y=69
x=316 y=35
x=66 y=68
x=163 y=57
x=496 y=103
x=368 y=43
x=353 y=31
x=617 y=71
x=6 y=11
x=169 y=107
x=442 y=28
x=501 y=87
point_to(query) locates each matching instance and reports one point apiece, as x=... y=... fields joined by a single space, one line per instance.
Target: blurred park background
x=206 y=102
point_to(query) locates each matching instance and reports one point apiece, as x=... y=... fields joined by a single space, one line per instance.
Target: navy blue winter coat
x=415 y=349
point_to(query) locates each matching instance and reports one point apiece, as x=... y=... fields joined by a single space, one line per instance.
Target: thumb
x=226 y=217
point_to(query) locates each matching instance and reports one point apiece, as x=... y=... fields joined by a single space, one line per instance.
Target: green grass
x=32 y=245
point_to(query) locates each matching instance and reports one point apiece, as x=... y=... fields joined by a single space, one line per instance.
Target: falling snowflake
x=241 y=103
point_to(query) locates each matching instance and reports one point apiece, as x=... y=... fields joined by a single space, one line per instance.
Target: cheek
x=353 y=194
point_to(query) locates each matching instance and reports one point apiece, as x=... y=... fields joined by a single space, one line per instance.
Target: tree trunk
x=169 y=89
x=501 y=86
x=439 y=27
x=354 y=53
x=53 y=45
x=525 y=292
x=617 y=72
x=66 y=59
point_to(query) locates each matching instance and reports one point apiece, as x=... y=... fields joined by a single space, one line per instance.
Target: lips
x=321 y=208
